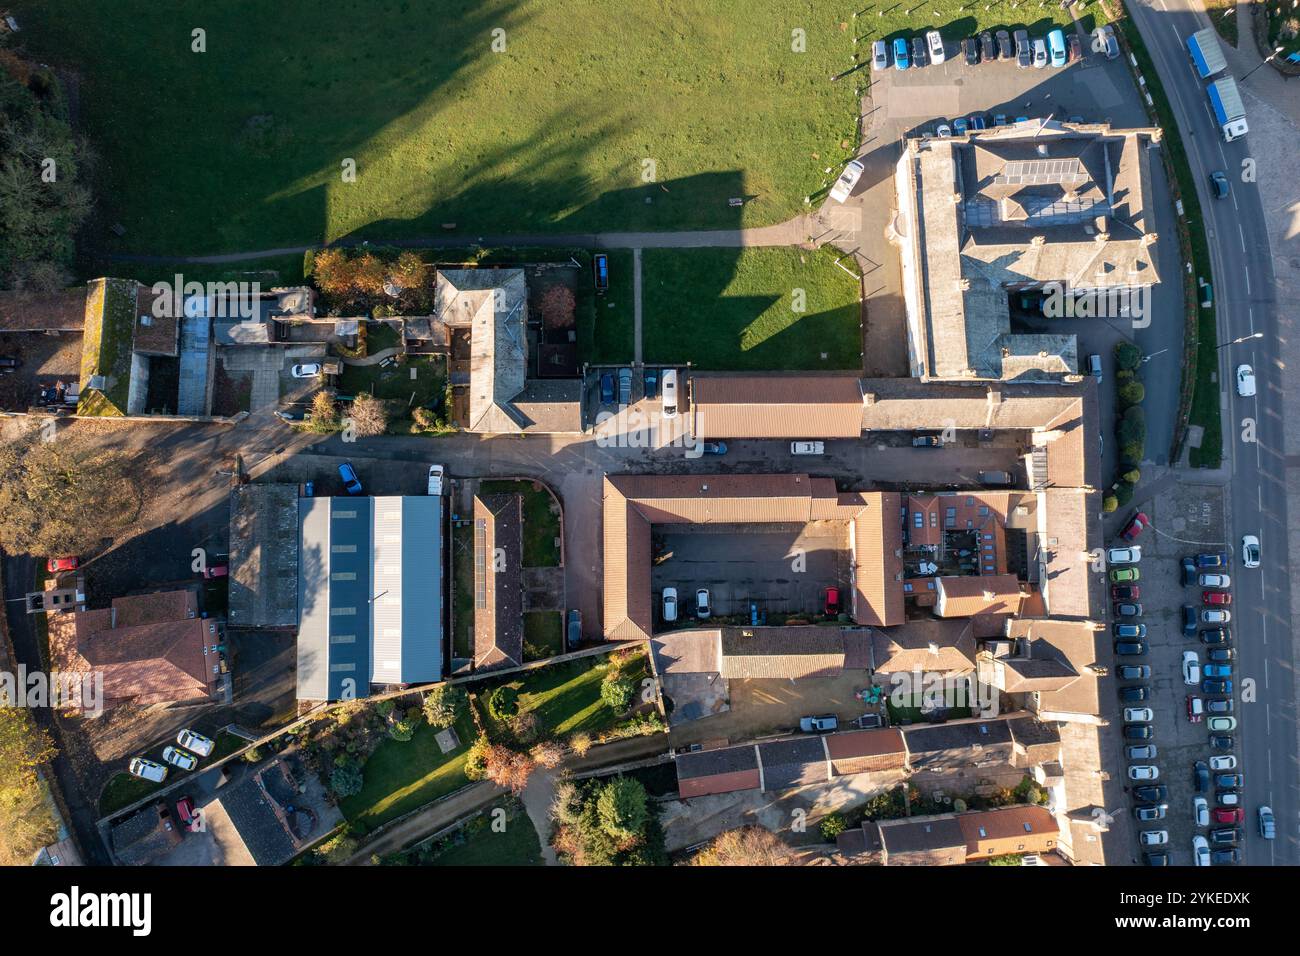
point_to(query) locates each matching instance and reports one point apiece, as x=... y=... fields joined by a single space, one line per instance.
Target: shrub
x=1128 y=356
x=1123 y=493
x=617 y=693
x=580 y=743
x=622 y=808
x=1131 y=393
x=324 y=415
x=832 y=825
x=503 y=702
x=476 y=758
x=346 y=780
x=1132 y=434
x=1109 y=504
x=444 y=705
x=1133 y=476
x=402 y=730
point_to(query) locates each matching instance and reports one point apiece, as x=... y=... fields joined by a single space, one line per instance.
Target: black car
x=1189 y=573
x=575 y=628
x=1189 y=620
x=927 y=441
x=651 y=379
x=1225 y=855
x=1219 y=705
x=1201 y=776
x=1226 y=835
x=1220 y=655
x=1151 y=793
x=1219 y=183
x=987 y=49
x=1138 y=732
x=1134 y=693
x=920 y=56
x=1221 y=741
x=1216 y=637
x=1024 y=56
x=1150 y=811
x=1124 y=592
x=8 y=361
x=1130 y=648
x=1004 y=45
x=1156 y=859
x=972 y=51
x=1134 y=672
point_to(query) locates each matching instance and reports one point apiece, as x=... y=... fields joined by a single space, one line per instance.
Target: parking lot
x=781 y=571
x=1184 y=522
x=46 y=359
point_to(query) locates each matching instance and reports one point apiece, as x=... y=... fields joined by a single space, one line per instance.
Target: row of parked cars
x=616 y=388
x=191 y=747
x=1056 y=49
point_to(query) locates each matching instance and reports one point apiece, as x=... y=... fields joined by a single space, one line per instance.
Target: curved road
x=1245 y=291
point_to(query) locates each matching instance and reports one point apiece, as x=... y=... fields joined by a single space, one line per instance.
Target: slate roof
x=795 y=762
x=253 y=814
x=263 y=556
x=499 y=615
x=61 y=311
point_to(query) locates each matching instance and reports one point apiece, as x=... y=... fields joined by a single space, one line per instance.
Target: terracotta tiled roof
x=924 y=645
x=968 y=595
x=865 y=743
x=987 y=829
x=776 y=406
x=781 y=652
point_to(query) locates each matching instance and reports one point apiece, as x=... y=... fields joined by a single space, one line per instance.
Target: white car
x=306 y=371
x=1131 y=555
x=669 y=393
x=147 y=770
x=935 y=42
x=702 y=608
x=195 y=743
x=1215 y=615
x=1149 y=837
x=1040 y=52
x=1220 y=581
x=179 y=758
x=436 y=473
x=1201 y=810
x=1138 y=715
x=1201 y=847
x=1144 y=772
x=1220 y=725
x=880 y=55
x=1245 y=381
x=1250 y=550
x=848 y=179
x=1191 y=668
x=807 y=448
x=670 y=604
x=1223 y=762
x=1228 y=798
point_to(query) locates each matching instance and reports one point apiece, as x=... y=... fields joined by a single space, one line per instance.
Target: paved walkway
x=793 y=232
x=373 y=359
x=537 y=799
x=428 y=821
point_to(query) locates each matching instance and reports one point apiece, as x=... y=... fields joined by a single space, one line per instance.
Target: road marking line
x=1242 y=233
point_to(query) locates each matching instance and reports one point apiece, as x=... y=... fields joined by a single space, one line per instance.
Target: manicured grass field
x=246 y=147
x=734 y=309
x=566 y=697
x=401 y=776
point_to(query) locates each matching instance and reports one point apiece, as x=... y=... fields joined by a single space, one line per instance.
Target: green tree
x=622 y=808
x=832 y=825
x=346 y=780
x=617 y=693
x=503 y=702
x=1128 y=356
x=1131 y=393
x=444 y=705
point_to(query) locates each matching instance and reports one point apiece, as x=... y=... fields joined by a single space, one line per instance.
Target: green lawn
x=402 y=776
x=394 y=384
x=479 y=845
x=549 y=134
x=735 y=309
x=543 y=632
x=566 y=697
x=541 y=524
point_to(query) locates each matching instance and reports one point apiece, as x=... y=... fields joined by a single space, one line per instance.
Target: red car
x=1125 y=592
x=186 y=813
x=1228 y=815
x=1216 y=597
x=832 y=602
x=1135 y=526
x=216 y=571
x=1195 y=709
x=55 y=565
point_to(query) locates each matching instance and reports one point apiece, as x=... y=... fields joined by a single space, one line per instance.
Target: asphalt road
x=1244 y=290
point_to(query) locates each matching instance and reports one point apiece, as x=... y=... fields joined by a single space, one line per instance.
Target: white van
x=670 y=393
x=807 y=448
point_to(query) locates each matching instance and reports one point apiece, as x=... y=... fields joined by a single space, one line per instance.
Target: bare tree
x=745 y=846
x=369 y=416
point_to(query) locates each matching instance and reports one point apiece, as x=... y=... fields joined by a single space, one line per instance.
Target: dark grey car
x=1024 y=57
x=1004 y=45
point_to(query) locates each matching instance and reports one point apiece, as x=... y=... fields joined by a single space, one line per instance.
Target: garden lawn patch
x=394 y=385
x=614 y=336
x=517 y=845
x=543 y=634
x=541 y=524
x=403 y=776
x=553 y=133
x=566 y=696
x=735 y=309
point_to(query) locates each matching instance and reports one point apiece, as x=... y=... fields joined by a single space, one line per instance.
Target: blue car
x=575 y=628
x=1217 y=670
x=1056 y=48
x=350 y=480
x=1213 y=686
x=651 y=379
x=901 y=59
x=607 y=388
x=977 y=122
x=714 y=447
x=600 y=271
